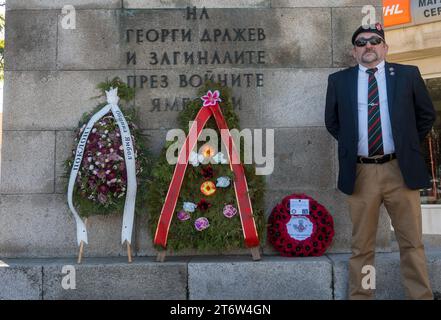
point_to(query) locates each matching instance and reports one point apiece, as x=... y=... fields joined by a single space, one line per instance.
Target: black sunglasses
x=372 y=40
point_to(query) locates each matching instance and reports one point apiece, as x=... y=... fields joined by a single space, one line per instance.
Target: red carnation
x=203 y=205
x=111 y=175
x=207 y=172
x=103 y=189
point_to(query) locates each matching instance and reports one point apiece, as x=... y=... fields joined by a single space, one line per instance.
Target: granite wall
x=276 y=55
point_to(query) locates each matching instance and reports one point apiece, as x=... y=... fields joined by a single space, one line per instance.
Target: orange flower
x=208 y=188
x=207 y=151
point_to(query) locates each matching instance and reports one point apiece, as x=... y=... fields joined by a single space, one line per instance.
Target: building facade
x=414 y=36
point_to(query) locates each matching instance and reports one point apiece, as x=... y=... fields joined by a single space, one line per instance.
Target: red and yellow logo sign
x=396 y=12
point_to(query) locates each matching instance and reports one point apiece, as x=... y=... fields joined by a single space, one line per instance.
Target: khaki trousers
x=383 y=183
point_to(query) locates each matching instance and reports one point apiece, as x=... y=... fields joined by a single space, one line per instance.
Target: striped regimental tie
x=374 y=118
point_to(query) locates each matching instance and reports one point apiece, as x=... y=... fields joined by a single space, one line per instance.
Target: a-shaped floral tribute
x=206 y=216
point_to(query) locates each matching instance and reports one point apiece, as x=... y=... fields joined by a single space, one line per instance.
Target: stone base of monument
x=255 y=254
x=218 y=278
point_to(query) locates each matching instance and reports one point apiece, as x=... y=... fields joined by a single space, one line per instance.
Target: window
x=431 y=147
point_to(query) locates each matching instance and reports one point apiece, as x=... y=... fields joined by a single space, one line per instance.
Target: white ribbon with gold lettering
x=129 y=156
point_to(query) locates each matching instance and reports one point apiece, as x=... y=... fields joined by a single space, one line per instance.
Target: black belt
x=380 y=160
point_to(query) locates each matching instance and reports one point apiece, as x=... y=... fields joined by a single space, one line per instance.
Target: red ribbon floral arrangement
x=320 y=222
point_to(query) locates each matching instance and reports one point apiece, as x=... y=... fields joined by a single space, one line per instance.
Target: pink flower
x=229 y=211
x=211 y=98
x=183 y=215
x=201 y=223
x=102 y=198
x=114 y=157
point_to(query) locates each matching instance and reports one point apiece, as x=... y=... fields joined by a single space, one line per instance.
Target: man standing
x=379 y=113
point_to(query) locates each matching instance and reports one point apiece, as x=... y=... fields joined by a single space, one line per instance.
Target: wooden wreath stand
x=81 y=250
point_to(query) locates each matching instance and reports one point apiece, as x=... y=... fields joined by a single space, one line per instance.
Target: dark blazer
x=411 y=114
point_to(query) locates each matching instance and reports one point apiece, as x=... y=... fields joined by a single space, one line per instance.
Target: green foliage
x=86 y=207
x=125 y=92
x=223 y=233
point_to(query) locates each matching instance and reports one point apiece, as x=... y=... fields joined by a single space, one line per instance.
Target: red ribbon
x=240 y=181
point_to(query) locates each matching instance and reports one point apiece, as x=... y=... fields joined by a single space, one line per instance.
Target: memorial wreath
x=300 y=235
x=109 y=162
x=204 y=202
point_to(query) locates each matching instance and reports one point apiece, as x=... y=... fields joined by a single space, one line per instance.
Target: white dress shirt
x=363 y=80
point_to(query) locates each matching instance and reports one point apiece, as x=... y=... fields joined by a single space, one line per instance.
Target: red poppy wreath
x=300 y=235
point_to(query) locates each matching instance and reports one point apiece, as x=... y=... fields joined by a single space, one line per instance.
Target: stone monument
x=276 y=56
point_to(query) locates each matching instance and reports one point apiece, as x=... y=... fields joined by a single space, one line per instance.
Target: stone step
x=199 y=278
x=431 y=242
x=388 y=276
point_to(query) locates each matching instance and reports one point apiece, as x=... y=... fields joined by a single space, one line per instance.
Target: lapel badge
x=392 y=71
